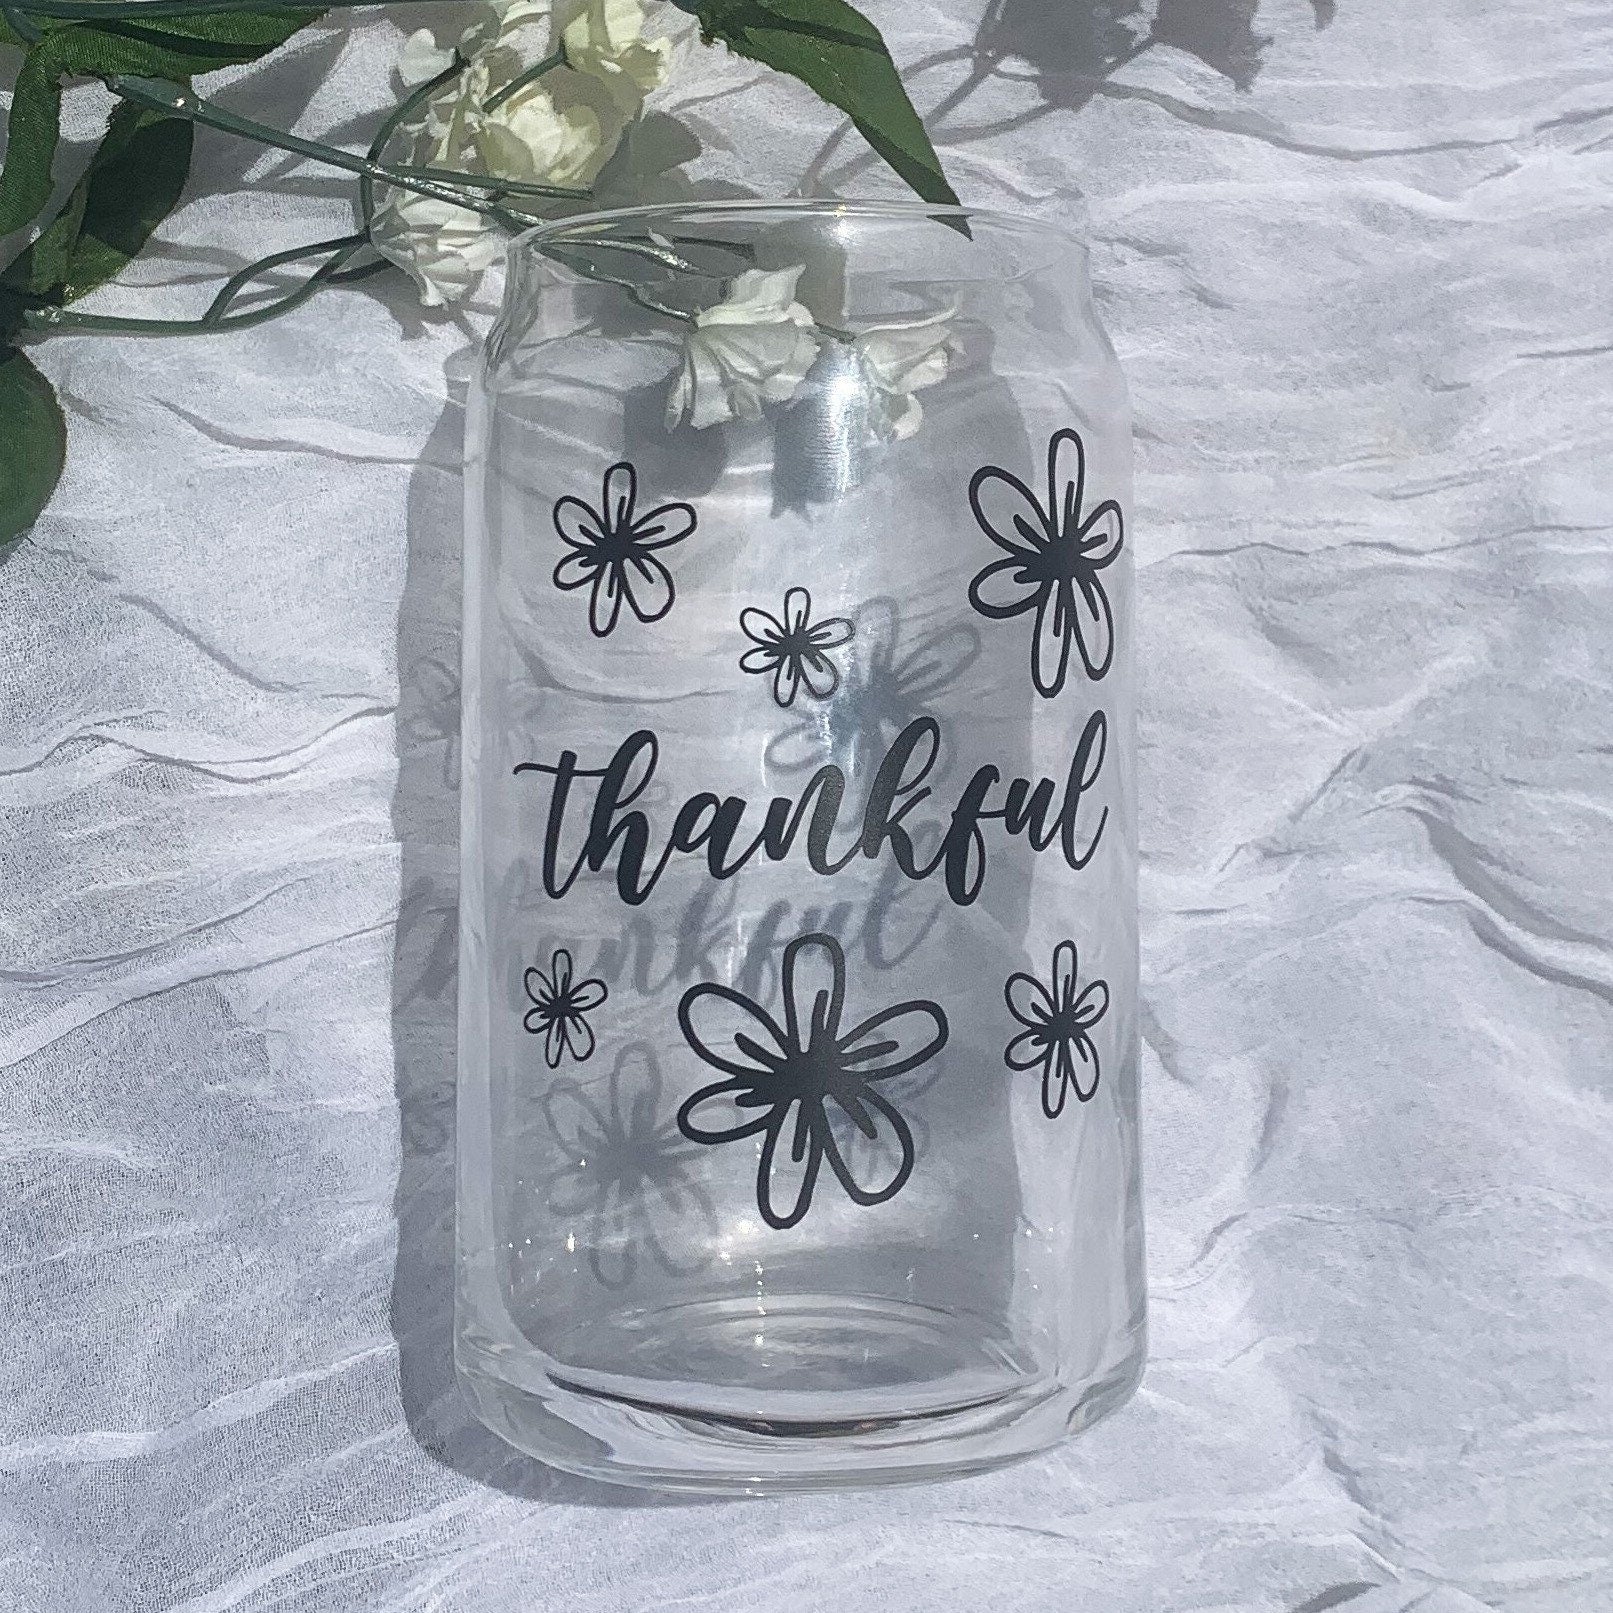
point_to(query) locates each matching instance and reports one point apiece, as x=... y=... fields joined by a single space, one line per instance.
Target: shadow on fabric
x=1067 y=52
x=425 y=820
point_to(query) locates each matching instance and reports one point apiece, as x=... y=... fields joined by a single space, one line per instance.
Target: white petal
x=445 y=249
x=906 y=358
x=902 y=418
x=422 y=58
x=760 y=297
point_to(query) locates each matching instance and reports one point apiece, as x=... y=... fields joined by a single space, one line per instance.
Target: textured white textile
x=1357 y=263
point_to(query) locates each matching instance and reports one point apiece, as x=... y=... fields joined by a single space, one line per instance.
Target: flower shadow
x=425 y=819
x=891 y=678
x=1067 y=52
x=626 y=1187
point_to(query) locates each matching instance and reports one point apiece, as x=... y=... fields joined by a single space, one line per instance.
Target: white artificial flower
x=498 y=25
x=422 y=58
x=605 y=39
x=446 y=135
x=561 y=129
x=753 y=348
x=554 y=141
x=564 y=127
x=896 y=362
x=444 y=248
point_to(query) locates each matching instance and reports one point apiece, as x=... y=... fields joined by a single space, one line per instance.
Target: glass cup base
x=937 y=1399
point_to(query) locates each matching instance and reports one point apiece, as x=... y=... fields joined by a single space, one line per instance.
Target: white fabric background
x=1358 y=267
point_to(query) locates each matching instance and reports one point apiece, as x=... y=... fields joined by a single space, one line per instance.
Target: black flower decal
x=1054 y=562
x=1057 y=1038
x=562 y=1004
x=791 y=647
x=626 y=1183
x=612 y=550
x=807 y=1088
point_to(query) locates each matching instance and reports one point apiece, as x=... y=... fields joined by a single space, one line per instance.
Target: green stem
x=177 y=101
x=521 y=80
x=510 y=187
x=390 y=125
x=665 y=256
x=329 y=273
x=635 y=293
x=244 y=277
x=90 y=10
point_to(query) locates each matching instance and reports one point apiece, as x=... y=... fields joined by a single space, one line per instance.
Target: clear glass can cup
x=798 y=967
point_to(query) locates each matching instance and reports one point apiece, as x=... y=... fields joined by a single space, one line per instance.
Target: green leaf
x=837 y=52
x=164 y=47
x=130 y=186
x=31 y=134
x=35 y=443
x=208 y=40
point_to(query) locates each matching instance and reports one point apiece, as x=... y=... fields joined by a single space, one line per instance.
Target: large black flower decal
x=1053 y=562
x=791 y=646
x=561 y=1004
x=1057 y=1021
x=808 y=1089
x=612 y=550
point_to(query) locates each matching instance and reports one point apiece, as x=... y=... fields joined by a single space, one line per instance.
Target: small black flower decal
x=807 y=1088
x=791 y=647
x=562 y=1006
x=1054 y=562
x=1057 y=1038
x=612 y=550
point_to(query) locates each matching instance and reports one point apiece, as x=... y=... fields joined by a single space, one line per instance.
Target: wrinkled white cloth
x=1355 y=262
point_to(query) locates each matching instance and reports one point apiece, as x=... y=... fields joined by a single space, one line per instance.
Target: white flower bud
x=897 y=361
x=422 y=58
x=753 y=348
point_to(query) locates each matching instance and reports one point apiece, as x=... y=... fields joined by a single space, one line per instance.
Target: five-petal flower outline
x=1053 y=563
x=791 y=646
x=611 y=550
x=807 y=1088
x=625 y=1190
x=561 y=1006
x=1056 y=1038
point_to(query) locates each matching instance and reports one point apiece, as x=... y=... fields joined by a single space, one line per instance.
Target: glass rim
x=1000 y=220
